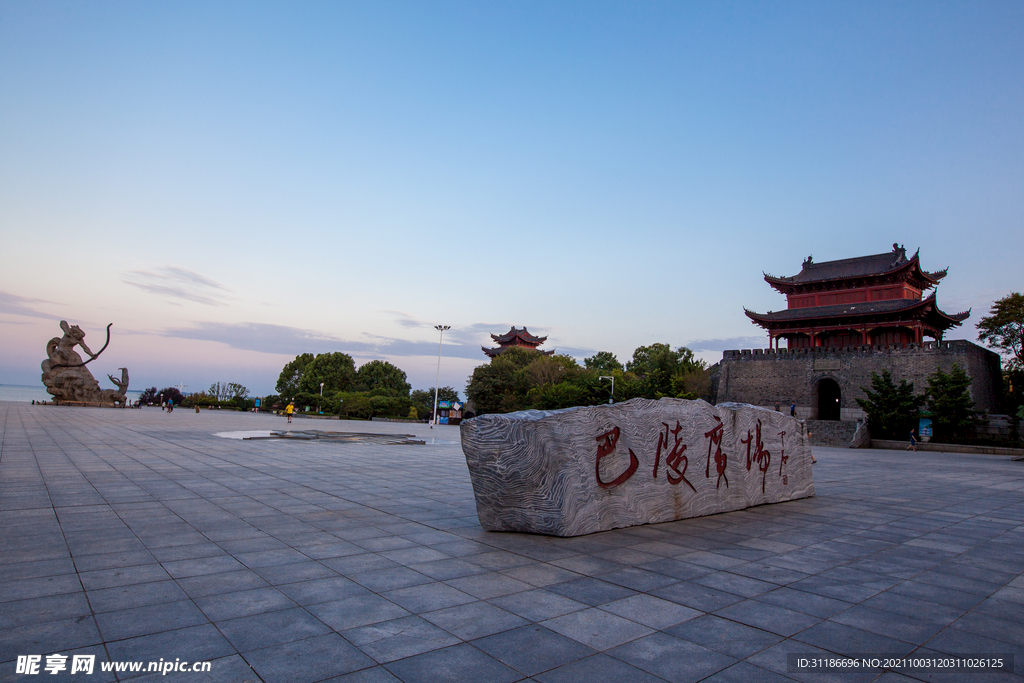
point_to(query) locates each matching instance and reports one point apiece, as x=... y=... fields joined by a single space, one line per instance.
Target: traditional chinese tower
x=872 y=301
x=515 y=338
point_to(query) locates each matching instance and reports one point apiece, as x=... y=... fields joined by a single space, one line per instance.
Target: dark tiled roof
x=840 y=310
x=502 y=349
x=523 y=334
x=858 y=309
x=876 y=264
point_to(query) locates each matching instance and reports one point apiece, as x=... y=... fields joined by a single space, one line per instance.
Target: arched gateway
x=829 y=399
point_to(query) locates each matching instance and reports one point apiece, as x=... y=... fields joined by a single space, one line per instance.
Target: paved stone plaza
x=138 y=535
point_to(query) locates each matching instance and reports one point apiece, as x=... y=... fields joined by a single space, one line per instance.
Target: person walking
x=913 y=441
x=792 y=409
x=289 y=410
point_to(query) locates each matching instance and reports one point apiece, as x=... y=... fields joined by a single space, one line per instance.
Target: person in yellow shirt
x=289 y=410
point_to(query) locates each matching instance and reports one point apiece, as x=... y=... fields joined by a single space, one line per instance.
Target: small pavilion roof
x=493 y=353
x=522 y=334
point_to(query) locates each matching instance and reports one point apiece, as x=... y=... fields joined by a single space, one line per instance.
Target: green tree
x=550 y=369
x=664 y=372
x=336 y=370
x=226 y=391
x=603 y=361
x=382 y=377
x=291 y=374
x=951 y=406
x=423 y=399
x=892 y=410
x=170 y=394
x=501 y=386
x=1003 y=328
x=365 y=405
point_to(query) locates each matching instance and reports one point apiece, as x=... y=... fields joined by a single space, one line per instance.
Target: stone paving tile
x=284 y=546
x=474 y=620
x=458 y=664
x=537 y=605
x=651 y=611
x=271 y=628
x=598 y=668
x=597 y=628
x=388 y=641
x=490 y=585
x=728 y=637
x=591 y=591
x=42 y=610
x=360 y=610
x=197 y=643
x=696 y=596
x=322 y=590
x=309 y=660
x=427 y=597
x=49 y=637
x=533 y=649
x=848 y=640
x=226 y=606
x=671 y=658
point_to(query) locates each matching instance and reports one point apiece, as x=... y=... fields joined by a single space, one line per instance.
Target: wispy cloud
x=21 y=305
x=266 y=338
x=178 y=283
x=407 y=319
x=728 y=344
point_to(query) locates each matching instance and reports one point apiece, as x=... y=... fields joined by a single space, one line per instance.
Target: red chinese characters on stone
x=714 y=437
x=674 y=457
x=762 y=457
x=783 y=458
x=606 y=446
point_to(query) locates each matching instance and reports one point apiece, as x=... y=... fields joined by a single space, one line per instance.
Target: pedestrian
x=809 y=435
x=777 y=407
x=913 y=441
x=792 y=409
x=289 y=410
x=170 y=405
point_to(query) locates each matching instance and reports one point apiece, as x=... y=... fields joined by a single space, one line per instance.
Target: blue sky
x=231 y=184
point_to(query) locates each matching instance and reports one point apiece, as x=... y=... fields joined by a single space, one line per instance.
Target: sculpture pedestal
x=582 y=470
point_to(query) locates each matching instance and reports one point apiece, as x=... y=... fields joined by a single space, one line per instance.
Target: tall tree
x=950 y=403
x=1003 y=328
x=892 y=410
x=602 y=361
x=500 y=386
x=423 y=399
x=382 y=377
x=336 y=371
x=170 y=394
x=291 y=375
x=662 y=370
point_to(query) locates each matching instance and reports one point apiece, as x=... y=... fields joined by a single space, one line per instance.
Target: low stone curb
x=949 y=448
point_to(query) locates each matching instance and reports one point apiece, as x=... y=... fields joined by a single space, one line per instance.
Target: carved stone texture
x=67 y=379
x=581 y=470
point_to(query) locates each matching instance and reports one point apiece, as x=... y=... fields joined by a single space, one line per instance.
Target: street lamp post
x=321 y=398
x=611 y=399
x=437 y=380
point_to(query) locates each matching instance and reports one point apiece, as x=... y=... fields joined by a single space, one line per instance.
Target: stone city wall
x=766 y=377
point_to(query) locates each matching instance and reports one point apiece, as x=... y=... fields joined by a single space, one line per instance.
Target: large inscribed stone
x=581 y=470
